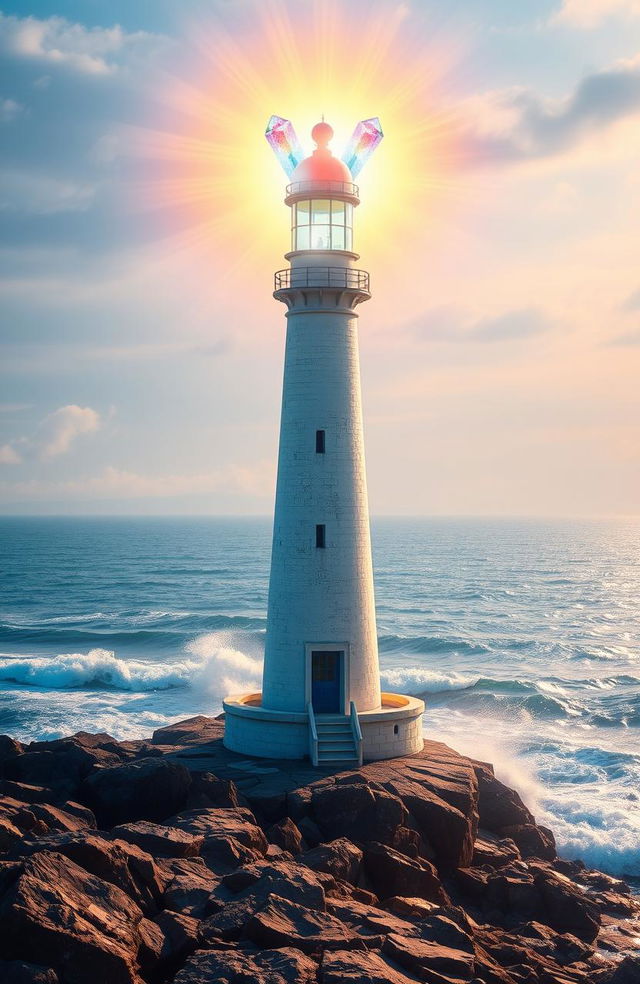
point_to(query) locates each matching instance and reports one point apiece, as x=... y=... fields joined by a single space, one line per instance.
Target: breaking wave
x=210 y=664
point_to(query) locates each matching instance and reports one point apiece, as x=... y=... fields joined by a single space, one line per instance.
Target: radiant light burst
x=206 y=175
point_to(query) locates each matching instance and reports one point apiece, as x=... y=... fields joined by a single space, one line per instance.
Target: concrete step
x=336 y=746
x=333 y=729
x=331 y=719
x=336 y=757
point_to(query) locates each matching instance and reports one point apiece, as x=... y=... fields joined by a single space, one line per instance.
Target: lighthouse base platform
x=391 y=730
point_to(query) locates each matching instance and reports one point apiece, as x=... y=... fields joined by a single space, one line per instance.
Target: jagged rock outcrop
x=210 y=867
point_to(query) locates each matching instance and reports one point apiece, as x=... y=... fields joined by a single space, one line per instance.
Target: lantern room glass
x=322 y=224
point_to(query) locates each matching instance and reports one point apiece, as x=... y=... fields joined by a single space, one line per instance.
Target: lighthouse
x=321 y=694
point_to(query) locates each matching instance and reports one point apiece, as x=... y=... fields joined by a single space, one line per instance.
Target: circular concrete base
x=391 y=730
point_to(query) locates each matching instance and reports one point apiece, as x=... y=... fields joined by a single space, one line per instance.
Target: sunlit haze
x=144 y=218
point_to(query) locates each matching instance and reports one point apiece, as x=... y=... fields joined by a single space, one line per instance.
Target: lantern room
x=321 y=223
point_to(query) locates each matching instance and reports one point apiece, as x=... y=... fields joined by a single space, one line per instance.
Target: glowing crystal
x=284 y=142
x=364 y=140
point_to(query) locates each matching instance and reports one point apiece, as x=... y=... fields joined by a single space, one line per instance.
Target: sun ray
x=204 y=164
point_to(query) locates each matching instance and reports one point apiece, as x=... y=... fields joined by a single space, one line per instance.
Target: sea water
x=522 y=637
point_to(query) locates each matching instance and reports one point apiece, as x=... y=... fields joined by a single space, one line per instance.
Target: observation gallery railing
x=312 y=188
x=314 y=276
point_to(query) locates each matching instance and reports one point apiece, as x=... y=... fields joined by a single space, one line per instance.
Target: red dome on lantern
x=322 y=165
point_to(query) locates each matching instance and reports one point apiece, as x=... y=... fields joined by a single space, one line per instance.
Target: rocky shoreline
x=174 y=860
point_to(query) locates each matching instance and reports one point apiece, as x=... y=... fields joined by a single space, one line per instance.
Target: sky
x=143 y=218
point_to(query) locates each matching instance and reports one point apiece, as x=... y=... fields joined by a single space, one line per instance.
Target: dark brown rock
x=10 y=834
x=194 y=731
x=424 y=959
x=96 y=854
x=285 y=966
x=166 y=940
x=449 y=831
x=286 y=835
x=441 y=928
x=228 y=854
x=368 y=920
x=160 y=841
x=83 y=927
x=149 y=789
x=473 y=882
x=283 y=878
x=61 y=765
x=513 y=895
x=409 y=842
x=416 y=908
x=563 y=947
x=627 y=971
x=565 y=907
x=281 y=923
x=594 y=879
x=148 y=875
x=19 y=972
x=490 y=972
x=25 y=793
x=358 y=812
x=498 y=805
x=217 y=824
x=533 y=841
x=493 y=851
x=229 y=922
x=214 y=791
x=298 y=803
x=190 y=883
x=392 y=873
x=310 y=831
x=9 y=749
x=339 y=858
x=616 y=903
x=68 y=817
x=360 y=968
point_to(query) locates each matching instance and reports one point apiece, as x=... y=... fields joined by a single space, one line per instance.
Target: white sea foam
x=212 y=665
x=600 y=827
x=98 y=667
x=592 y=817
x=415 y=679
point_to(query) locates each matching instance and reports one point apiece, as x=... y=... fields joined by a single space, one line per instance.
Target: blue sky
x=503 y=382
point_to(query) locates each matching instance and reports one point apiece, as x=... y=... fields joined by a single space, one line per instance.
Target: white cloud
x=9 y=455
x=54 y=435
x=590 y=13
x=59 y=430
x=515 y=125
x=37 y=194
x=56 y=41
x=9 y=109
x=116 y=483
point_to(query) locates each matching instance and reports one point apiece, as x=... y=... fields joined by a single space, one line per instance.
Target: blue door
x=326 y=672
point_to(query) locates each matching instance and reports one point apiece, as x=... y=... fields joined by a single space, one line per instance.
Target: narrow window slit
x=320 y=535
x=320 y=442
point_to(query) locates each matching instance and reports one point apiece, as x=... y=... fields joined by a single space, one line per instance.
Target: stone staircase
x=336 y=740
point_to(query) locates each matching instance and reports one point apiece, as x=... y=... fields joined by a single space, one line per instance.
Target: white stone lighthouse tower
x=321 y=683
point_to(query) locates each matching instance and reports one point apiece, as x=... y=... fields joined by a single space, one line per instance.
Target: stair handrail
x=313 y=735
x=356 y=731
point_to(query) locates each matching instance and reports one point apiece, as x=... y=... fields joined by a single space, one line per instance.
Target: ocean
x=522 y=636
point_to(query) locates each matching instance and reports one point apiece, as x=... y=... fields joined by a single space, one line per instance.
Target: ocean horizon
x=521 y=635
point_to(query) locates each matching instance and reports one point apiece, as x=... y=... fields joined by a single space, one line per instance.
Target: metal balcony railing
x=313 y=276
x=312 y=188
